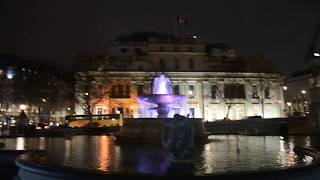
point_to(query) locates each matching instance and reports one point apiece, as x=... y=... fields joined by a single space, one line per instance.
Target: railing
x=96 y=120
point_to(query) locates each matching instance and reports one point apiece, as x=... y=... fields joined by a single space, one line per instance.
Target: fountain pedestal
x=148 y=130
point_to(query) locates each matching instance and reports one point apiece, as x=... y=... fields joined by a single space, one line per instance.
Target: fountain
x=162 y=96
x=149 y=129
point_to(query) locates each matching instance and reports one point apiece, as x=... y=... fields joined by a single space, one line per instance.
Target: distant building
x=212 y=76
x=39 y=88
x=297 y=92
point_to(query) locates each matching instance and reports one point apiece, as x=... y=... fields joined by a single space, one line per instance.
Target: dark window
x=176 y=49
x=127 y=91
x=124 y=50
x=176 y=64
x=191 y=64
x=191 y=49
x=162 y=49
x=214 y=91
x=267 y=93
x=140 y=90
x=137 y=50
x=176 y=89
x=162 y=65
x=140 y=68
x=113 y=90
x=191 y=91
x=113 y=110
x=254 y=91
x=120 y=90
x=234 y=91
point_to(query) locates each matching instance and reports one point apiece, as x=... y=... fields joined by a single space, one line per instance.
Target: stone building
x=216 y=80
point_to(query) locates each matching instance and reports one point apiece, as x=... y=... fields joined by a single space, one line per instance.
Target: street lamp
x=304 y=101
x=285 y=88
x=23 y=107
x=289 y=107
x=43 y=100
x=316 y=54
x=87 y=94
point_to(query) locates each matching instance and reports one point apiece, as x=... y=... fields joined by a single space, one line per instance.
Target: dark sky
x=59 y=30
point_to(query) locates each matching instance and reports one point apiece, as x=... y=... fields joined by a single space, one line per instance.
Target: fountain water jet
x=162 y=96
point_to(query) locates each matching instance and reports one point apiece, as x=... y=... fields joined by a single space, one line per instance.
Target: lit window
x=99 y=110
x=10 y=74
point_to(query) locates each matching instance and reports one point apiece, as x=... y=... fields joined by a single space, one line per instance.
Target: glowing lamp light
x=289 y=103
x=87 y=94
x=23 y=107
x=316 y=54
x=190 y=92
x=118 y=112
x=43 y=100
x=303 y=91
x=68 y=109
x=285 y=87
x=131 y=107
x=194 y=37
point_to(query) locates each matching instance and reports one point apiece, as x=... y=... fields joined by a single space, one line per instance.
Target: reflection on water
x=222 y=154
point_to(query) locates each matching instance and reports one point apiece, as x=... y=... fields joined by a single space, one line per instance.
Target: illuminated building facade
x=213 y=77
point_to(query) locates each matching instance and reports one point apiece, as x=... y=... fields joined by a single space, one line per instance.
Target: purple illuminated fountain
x=162 y=96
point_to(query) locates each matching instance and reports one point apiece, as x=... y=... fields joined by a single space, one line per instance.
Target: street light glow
x=87 y=94
x=194 y=37
x=43 y=100
x=303 y=91
x=316 y=54
x=289 y=103
x=23 y=107
x=285 y=88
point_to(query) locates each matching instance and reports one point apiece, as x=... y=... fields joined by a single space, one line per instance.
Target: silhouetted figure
x=22 y=121
x=177 y=138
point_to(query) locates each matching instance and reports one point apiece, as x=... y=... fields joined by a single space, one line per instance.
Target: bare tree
x=227 y=101
x=90 y=92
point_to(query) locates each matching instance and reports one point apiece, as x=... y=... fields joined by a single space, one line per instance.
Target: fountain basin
x=148 y=130
x=150 y=161
x=161 y=98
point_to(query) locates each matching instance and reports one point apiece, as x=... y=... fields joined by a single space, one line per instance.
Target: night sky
x=59 y=31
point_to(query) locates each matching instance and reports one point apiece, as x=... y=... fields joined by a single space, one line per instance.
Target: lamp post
x=132 y=108
x=289 y=107
x=303 y=101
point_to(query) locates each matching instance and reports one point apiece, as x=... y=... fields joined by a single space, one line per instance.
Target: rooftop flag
x=182 y=20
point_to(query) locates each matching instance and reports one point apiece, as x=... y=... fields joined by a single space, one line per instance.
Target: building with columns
x=215 y=79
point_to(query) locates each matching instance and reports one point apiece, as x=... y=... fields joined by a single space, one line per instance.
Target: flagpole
x=175 y=26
